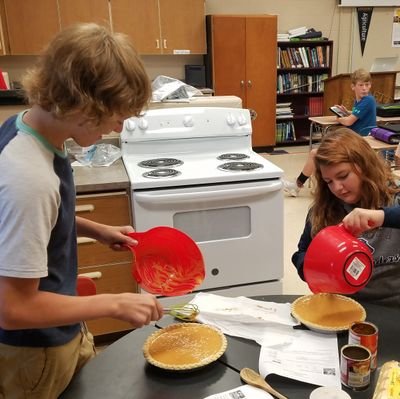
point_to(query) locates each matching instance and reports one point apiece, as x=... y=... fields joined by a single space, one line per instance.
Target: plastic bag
x=166 y=88
x=96 y=155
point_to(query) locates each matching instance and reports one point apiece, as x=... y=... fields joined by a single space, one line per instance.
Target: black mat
x=278 y=152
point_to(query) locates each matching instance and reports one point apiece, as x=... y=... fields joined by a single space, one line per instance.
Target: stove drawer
x=108 y=208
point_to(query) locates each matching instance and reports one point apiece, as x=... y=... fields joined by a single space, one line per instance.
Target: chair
x=85 y=286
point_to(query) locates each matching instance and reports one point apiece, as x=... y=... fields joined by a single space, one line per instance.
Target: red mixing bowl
x=337 y=262
x=166 y=261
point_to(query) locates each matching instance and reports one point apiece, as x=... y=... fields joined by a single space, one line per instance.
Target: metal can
x=365 y=334
x=355 y=366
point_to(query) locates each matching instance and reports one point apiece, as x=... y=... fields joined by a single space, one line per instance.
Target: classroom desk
x=378 y=145
x=322 y=123
x=388 y=120
x=121 y=372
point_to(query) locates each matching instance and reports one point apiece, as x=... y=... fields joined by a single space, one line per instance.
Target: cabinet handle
x=94 y=275
x=85 y=240
x=157 y=43
x=165 y=43
x=242 y=83
x=84 y=208
x=249 y=83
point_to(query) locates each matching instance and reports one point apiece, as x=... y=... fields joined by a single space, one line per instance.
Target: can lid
x=329 y=393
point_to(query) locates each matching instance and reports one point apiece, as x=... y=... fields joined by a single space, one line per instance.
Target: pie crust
x=184 y=346
x=327 y=312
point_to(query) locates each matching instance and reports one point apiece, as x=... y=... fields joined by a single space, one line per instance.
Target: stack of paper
x=297 y=31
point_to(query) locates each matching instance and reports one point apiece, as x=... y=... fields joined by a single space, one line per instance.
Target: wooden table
x=323 y=123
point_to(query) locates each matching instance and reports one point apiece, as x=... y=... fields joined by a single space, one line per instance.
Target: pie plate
x=327 y=313
x=184 y=346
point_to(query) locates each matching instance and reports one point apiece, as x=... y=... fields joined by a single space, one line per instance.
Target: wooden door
x=139 y=20
x=261 y=44
x=31 y=24
x=182 y=25
x=74 y=11
x=228 y=37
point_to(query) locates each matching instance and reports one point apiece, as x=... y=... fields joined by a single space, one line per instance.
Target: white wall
x=337 y=23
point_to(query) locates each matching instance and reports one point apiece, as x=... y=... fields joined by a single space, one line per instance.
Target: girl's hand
x=360 y=220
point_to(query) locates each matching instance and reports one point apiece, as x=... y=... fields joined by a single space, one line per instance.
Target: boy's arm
x=347 y=120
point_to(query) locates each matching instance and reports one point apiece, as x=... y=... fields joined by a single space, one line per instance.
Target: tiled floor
x=295 y=210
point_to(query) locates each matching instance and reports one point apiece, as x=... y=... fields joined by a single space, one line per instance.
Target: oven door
x=238 y=227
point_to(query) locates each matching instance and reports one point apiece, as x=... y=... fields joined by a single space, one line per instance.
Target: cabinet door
x=73 y=11
x=139 y=20
x=182 y=26
x=261 y=44
x=31 y=24
x=228 y=37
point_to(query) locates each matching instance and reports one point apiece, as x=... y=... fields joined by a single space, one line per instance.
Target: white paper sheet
x=241 y=316
x=303 y=355
x=242 y=392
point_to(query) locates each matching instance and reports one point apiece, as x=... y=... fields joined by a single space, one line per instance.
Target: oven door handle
x=213 y=195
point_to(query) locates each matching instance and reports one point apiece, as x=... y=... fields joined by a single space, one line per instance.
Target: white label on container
x=181 y=51
x=355 y=268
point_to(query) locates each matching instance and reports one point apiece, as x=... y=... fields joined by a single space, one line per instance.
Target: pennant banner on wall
x=364 y=15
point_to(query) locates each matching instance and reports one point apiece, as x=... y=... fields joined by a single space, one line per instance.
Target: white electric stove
x=194 y=169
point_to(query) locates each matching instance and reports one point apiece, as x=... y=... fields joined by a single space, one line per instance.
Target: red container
x=365 y=334
x=167 y=261
x=337 y=262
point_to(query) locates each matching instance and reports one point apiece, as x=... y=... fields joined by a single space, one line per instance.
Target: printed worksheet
x=242 y=392
x=301 y=355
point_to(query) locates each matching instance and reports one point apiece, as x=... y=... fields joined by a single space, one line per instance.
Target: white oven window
x=215 y=224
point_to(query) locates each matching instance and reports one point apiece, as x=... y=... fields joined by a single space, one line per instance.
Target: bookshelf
x=302 y=67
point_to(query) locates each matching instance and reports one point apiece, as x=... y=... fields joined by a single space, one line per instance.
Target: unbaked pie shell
x=327 y=312
x=184 y=346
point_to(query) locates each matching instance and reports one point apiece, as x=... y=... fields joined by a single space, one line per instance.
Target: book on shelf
x=285 y=131
x=315 y=106
x=284 y=111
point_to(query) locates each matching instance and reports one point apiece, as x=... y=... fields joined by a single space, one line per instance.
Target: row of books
x=315 y=106
x=285 y=132
x=289 y=83
x=303 y=57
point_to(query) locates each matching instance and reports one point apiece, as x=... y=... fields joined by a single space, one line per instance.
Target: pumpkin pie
x=327 y=312
x=184 y=346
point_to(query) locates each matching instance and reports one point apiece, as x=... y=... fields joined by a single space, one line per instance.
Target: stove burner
x=161 y=173
x=239 y=166
x=233 y=156
x=160 y=163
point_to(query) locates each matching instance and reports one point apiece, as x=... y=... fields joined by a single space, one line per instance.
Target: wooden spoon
x=255 y=379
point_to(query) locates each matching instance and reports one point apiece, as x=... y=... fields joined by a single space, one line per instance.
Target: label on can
x=355 y=363
x=365 y=334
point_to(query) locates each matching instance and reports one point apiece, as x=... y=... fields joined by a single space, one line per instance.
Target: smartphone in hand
x=338 y=112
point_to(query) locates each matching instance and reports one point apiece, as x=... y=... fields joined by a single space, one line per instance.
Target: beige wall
x=337 y=23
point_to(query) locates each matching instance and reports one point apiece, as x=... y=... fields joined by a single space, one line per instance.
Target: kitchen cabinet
x=110 y=269
x=30 y=24
x=74 y=11
x=241 y=61
x=162 y=26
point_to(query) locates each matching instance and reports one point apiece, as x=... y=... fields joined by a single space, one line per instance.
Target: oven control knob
x=143 y=124
x=230 y=119
x=188 y=121
x=241 y=120
x=130 y=125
